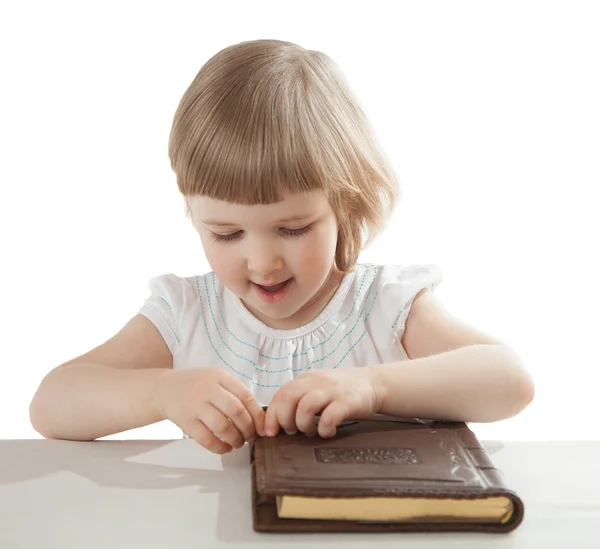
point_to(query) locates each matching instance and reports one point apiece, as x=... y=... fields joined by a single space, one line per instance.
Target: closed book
x=380 y=476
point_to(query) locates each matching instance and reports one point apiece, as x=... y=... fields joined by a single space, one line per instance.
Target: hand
x=338 y=395
x=210 y=406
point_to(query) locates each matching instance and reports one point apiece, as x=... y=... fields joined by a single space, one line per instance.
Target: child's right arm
x=129 y=381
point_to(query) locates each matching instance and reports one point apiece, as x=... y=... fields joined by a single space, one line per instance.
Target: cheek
x=317 y=252
x=220 y=263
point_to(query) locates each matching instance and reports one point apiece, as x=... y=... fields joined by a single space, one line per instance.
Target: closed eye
x=296 y=232
x=235 y=236
x=226 y=237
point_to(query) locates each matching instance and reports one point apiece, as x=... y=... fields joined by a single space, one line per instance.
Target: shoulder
x=173 y=304
x=408 y=277
x=398 y=286
x=430 y=329
x=173 y=284
x=396 y=278
x=174 y=293
x=424 y=326
x=386 y=292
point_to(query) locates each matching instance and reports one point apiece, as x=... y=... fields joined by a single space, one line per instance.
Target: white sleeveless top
x=205 y=324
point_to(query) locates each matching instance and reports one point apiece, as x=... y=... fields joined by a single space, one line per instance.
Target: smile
x=273 y=292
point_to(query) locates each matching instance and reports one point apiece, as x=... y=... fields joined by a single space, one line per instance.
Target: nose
x=264 y=259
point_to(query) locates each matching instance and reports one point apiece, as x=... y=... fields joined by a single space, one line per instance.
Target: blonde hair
x=265 y=118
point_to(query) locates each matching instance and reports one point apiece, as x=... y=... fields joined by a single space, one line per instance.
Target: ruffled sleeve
x=399 y=285
x=163 y=307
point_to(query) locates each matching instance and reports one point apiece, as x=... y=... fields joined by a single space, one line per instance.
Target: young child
x=284 y=182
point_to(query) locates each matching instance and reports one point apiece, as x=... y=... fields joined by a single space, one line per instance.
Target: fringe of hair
x=266 y=118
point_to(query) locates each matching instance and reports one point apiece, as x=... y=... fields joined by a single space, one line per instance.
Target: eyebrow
x=290 y=219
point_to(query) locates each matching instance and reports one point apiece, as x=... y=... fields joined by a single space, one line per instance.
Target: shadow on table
x=116 y=463
x=111 y=463
x=103 y=462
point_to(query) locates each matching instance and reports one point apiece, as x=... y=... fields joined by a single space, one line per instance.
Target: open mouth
x=274 y=292
x=275 y=287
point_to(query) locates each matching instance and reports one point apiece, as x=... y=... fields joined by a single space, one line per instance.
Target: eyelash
x=234 y=236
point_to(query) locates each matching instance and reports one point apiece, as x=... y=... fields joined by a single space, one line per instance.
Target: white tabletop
x=174 y=494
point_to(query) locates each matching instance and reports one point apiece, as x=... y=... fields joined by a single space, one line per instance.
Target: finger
x=220 y=425
x=285 y=411
x=271 y=424
x=239 y=390
x=234 y=410
x=331 y=417
x=310 y=405
x=199 y=432
x=287 y=399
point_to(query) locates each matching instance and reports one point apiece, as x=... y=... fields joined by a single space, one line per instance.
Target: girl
x=285 y=184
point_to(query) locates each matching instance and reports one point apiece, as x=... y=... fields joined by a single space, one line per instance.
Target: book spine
x=258 y=472
x=490 y=474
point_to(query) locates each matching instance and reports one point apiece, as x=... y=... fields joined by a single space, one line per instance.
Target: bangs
x=259 y=138
x=264 y=119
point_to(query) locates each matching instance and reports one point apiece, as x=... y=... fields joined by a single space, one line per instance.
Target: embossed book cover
x=380 y=476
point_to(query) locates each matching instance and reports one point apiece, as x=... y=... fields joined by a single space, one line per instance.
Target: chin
x=277 y=313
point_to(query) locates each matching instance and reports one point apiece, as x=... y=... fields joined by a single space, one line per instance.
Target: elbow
x=521 y=393
x=50 y=413
x=44 y=417
x=512 y=391
x=526 y=392
x=520 y=389
x=36 y=418
x=39 y=408
x=39 y=416
x=42 y=422
x=529 y=392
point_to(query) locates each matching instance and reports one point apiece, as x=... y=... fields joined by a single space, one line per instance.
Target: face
x=278 y=258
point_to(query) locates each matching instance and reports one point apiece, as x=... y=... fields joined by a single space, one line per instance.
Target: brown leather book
x=380 y=476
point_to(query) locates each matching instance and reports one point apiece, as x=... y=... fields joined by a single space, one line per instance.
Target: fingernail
x=291 y=432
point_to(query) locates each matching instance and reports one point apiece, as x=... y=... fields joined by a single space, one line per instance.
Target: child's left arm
x=455 y=372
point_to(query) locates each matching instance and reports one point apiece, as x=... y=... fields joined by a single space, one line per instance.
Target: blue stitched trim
x=309 y=367
x=261 y=355
x=217 y=352
x=353 y=327
x=362 y=335
x=285 y=369
x=168 y=304
x=400 y=313
x=338 y=326
x=218 y=331
x=395 y=321
x=348 y=351
x=223 y=318
x=297 y=354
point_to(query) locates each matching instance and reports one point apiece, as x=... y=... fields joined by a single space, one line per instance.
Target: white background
x=489 y=112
